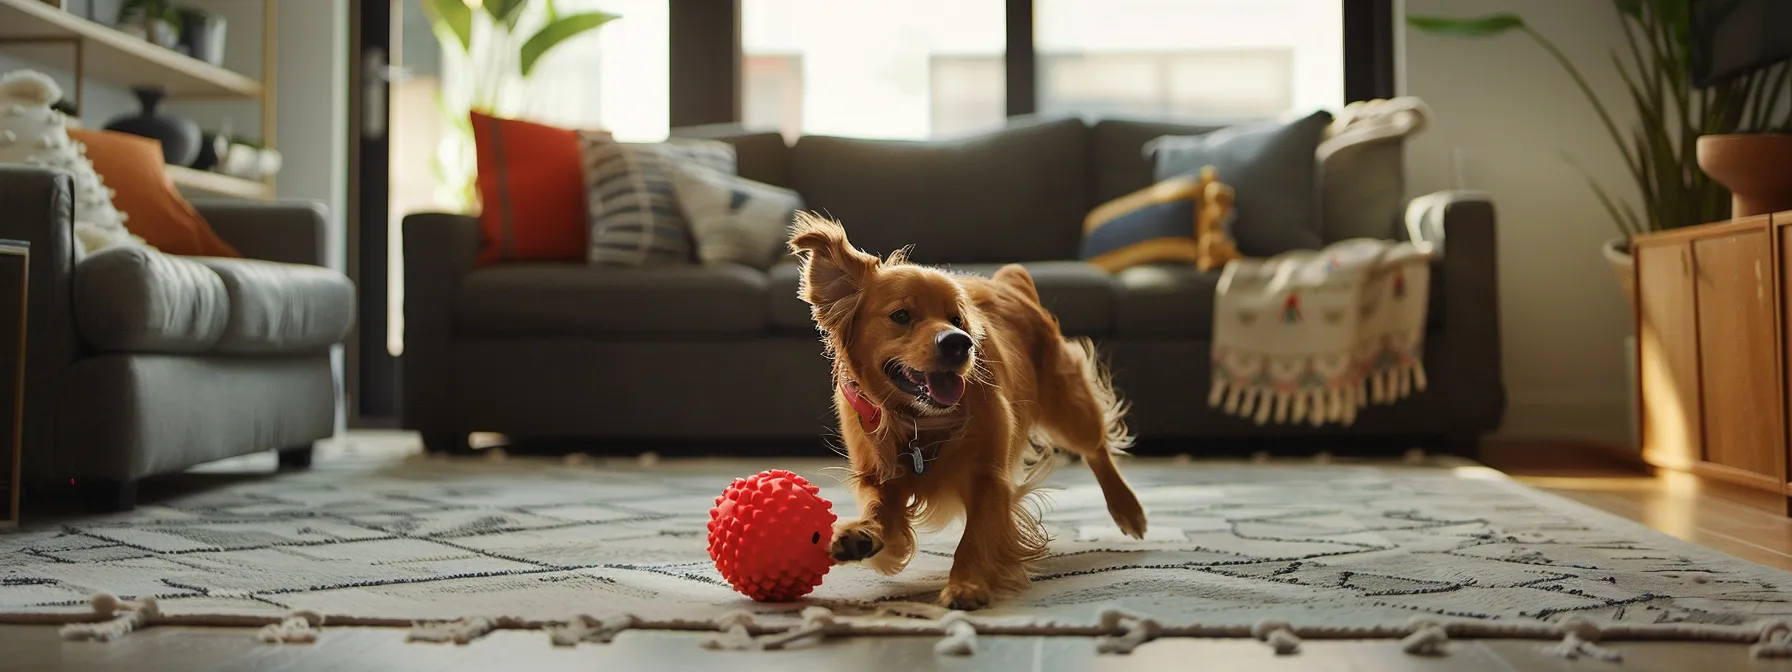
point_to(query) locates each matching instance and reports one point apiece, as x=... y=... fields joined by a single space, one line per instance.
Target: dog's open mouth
x=942 y=389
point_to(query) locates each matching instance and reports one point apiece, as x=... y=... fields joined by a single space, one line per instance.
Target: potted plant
x=499 y=43
x=1673 y=113
x=152 y=20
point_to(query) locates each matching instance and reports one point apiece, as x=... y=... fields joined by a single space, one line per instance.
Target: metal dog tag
x=917 y=462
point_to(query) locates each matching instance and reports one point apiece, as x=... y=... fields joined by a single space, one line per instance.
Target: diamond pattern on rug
x=1336 y=544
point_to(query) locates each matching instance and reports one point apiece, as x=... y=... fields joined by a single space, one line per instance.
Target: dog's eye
x=899 y=317
x=956 y=322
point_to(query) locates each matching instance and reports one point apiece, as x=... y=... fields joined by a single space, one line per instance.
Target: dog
x=946 y=385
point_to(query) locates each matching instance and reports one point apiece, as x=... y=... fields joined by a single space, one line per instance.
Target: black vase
x=179 y=137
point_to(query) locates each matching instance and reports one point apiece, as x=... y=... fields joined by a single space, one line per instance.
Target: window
x=1189 y=60
x=616 y=79
x=871 y=69
x=772 y=93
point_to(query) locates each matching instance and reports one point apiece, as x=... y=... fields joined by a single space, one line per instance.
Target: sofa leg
x=109 y=496
x=447 y=443
x=296 y=458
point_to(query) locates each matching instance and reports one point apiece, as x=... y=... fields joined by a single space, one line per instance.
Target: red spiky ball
x=769 y=536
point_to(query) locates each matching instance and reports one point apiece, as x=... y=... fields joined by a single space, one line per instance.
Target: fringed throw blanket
x=1312 y=336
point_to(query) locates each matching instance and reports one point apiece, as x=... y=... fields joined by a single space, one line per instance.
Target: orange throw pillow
x=531 y=190
x=132 y=166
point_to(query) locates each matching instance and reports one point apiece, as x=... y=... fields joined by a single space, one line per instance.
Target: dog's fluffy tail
x=1116 y=437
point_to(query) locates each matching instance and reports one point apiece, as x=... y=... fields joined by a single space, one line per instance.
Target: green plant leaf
x=552 y=11
x=506 y=12
x=551 y=35
x=1492 y=24
x=1621 y=214
x=452 y=17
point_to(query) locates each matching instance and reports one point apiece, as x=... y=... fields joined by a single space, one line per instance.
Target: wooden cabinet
x=1711 y=347
x=1668 y=345
x=1738 y=354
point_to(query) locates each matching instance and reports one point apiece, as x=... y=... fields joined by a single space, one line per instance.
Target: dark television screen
x=1734 y=37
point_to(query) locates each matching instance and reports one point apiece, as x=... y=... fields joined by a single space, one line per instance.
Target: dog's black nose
x=954 y=347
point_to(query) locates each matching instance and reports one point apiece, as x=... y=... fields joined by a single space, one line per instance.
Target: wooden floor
x=1671 y=503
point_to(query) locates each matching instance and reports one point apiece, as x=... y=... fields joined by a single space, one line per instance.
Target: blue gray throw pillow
x=1273 y=170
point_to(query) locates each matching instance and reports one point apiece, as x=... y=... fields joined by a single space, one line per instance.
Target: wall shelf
x=219 y=184
x=43 y=33
x=36 y=31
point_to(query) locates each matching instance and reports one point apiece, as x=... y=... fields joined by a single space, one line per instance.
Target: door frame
x=372 y=370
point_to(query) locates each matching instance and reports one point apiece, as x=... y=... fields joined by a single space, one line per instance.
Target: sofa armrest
x=39 y=208
x=293 y=232
x=1461 y=227
x=439 y=250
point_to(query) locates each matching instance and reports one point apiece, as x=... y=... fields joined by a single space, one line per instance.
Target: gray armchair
x=140 y=363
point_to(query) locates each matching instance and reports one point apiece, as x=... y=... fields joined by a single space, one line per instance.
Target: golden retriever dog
x=945 y=386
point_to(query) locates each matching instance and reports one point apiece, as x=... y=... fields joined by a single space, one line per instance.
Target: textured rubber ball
x=757 y=534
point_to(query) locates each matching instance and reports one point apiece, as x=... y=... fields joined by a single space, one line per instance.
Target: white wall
x=1511 y=113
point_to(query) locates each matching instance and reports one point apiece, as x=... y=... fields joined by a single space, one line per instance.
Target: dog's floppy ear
x=833 y=271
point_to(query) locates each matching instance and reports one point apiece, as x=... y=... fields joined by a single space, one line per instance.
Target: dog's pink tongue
x=946 y=388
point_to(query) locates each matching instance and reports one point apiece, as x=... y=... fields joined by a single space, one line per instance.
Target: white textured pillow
x=734 y=219
x=33 y=134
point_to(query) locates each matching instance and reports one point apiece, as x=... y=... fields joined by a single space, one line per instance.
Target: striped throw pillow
x=632 y=205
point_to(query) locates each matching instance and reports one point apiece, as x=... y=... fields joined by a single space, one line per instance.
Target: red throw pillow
x=142 y=190
x=531 y=189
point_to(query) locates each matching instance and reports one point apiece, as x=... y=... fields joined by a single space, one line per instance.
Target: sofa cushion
x=761 y=156
x=1118 y=164
x=734 y=220
x=1016 y=194
x=531 y=191
x=1273 y=168
x=788 y=311
x=135 y=299
x=1164 y=301
x=1081 y=295
x=572 y=300
x=280 y=308
x=633 y=208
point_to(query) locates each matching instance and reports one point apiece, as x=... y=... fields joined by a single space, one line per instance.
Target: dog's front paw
x=965 y=596
x=854 y=542
x=1128 y=514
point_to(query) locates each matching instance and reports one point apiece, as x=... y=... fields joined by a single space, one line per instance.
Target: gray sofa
x=141 y=363
x=558 y=351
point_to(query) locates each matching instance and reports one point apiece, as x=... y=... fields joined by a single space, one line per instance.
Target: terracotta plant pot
x=1753 y=167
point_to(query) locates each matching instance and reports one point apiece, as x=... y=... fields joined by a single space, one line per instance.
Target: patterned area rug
x=1340 y=548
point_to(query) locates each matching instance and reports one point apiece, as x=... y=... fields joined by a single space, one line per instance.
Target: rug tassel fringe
x=1135 y=630
x=588 y=629
x=1775 y=642
x=1264 y=404
x=1572 y=647
x=124 y=617
x=960 y=638
x=1579 y=637
x=460 y=632
x=817 y=623
x=1278 y=635
x=299 y=627
x=1428 y=640
x=735 y=636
